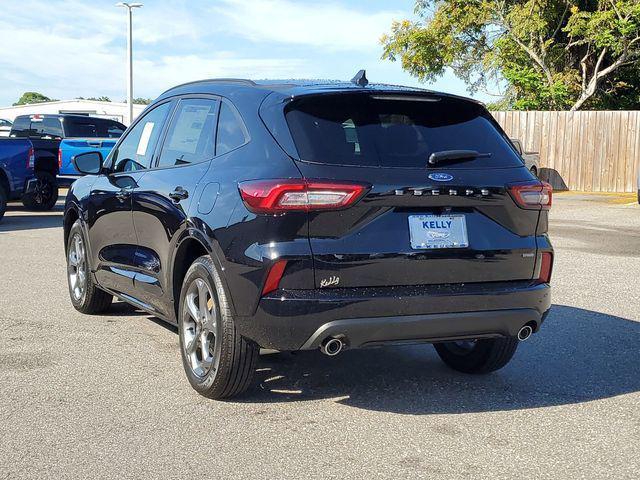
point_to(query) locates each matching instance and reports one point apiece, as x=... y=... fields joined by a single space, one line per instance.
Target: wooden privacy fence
x=590 y=151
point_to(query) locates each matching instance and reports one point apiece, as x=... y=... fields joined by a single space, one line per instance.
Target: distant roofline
x=75 y=100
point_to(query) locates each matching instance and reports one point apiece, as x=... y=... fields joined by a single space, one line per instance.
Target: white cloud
x=317 y=24
x=74 y=55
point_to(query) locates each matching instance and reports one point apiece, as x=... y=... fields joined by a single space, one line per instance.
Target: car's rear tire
x=3 y=201
x=479 y=356
x=45 y=195
x=218 y=361
x=86 y=297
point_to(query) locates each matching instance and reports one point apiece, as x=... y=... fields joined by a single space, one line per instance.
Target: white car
x=531 y=159
x=5 y=127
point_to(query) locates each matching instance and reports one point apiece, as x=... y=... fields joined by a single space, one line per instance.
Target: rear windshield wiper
x=455 y=155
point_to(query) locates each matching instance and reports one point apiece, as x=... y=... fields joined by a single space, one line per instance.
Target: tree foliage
x=95 y=99
x=549 y=54
x=33 y=97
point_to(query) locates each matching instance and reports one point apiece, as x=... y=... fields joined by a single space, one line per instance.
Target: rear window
x=48 y=127
x=21 y=127
x=394 y=131
x=93 y=128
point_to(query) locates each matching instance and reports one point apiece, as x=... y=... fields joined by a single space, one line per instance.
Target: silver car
x=531 y=159
x=5 y=127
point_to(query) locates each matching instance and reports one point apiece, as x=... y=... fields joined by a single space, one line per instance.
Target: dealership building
x=113 y=110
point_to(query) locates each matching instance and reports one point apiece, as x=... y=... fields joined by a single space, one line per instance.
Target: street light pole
x=129 y=7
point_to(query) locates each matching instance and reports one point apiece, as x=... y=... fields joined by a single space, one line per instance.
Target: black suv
x=301 y=216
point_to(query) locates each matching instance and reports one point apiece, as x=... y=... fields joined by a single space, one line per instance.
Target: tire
x=229 y=364
x=3 y=201
x=480 y=356
x=45 y=195
x=86 y=297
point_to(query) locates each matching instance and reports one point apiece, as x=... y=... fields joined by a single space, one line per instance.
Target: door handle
x=179 y=194
x=123 y=195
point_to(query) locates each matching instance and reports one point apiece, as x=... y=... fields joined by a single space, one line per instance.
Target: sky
x=70 y=48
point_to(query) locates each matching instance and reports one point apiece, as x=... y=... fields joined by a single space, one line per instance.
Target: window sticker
x=144 y=139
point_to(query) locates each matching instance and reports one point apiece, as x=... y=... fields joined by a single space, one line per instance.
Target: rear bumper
x=302 y=319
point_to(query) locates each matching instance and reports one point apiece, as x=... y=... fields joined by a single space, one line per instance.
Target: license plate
x=438 y=231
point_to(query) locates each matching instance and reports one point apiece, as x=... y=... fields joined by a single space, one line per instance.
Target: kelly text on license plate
x=438 y=231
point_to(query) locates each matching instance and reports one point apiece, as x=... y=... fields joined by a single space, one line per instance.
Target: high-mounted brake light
x=282 y=195
x=532 y=195
x=31 y=158
x=546 y=267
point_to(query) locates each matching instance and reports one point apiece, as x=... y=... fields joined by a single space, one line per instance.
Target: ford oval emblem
x=441 y=177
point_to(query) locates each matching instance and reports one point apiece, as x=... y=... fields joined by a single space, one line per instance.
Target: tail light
x=546 y=267
x=31 y=158
x=532 y=195
x=59 y=159
x=282 y=195
x=273 y=278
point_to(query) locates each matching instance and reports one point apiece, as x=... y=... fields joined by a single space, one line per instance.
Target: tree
x=142 y=101
x=33 y=97
x=97 y=99
x=547 y=54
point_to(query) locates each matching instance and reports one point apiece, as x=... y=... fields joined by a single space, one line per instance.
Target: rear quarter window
x=394 y=131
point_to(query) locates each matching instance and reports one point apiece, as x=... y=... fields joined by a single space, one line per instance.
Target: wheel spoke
x=192 y=345
x=202 y=297
x=192 y=307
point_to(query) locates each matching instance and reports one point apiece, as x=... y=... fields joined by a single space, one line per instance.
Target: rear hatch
x=453 y=221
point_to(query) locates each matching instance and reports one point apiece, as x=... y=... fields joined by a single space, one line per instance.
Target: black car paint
x=138 y=235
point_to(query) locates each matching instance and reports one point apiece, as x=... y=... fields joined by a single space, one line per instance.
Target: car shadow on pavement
x=31 y=220
x=579 y=355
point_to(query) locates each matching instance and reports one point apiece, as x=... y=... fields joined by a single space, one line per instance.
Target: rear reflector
x=532 y=195
x=273 y=278
x=546 y=267
x=282 y=195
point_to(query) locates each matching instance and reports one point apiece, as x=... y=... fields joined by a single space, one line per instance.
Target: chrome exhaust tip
x=331 y=346
x=525 y=332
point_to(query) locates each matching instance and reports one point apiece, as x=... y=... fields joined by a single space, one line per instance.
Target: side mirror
x=89 y=163
x=517 y=145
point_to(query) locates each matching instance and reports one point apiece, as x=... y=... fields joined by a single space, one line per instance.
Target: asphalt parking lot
x=106 y=396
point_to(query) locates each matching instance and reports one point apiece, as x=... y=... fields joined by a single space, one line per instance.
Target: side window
x=232 y=132
x=81 y=128
x=136 y=150
x=51 y=127
x=190 y=138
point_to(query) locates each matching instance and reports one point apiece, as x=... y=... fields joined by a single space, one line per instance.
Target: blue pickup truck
x=37 y=157
x=70 y=147
x=17 y=177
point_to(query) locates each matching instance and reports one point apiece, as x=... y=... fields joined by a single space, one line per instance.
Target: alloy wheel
x=199 y=327
x=77 y=267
